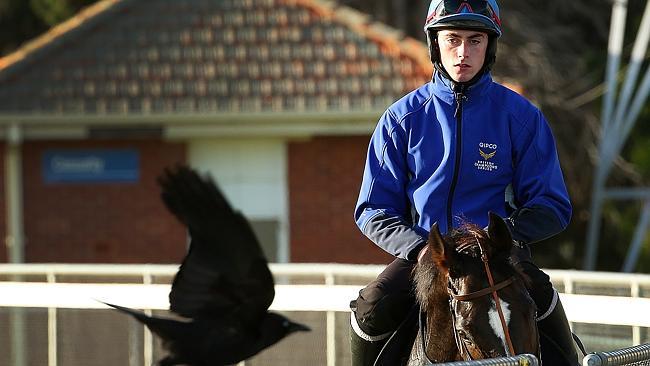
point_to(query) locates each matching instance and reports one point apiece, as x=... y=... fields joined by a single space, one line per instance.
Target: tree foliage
x=23 y=20
x=51 y=12
x=19 y=24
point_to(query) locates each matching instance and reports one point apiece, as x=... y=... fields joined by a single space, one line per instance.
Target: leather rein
x=492 y=289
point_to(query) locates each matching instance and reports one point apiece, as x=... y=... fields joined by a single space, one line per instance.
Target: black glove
x=533 y=224
x=520 y=253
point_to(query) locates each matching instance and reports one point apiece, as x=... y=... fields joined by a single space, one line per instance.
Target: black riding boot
x=555 y=338
x=379 y=310
x=364 y=352
x=556 y=341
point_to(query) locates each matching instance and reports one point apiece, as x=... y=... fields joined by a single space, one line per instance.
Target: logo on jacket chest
x=486 y=152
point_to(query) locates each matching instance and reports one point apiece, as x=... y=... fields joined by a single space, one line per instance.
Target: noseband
x=492 y=289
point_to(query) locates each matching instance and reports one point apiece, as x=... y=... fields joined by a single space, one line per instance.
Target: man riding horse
x=448 y=153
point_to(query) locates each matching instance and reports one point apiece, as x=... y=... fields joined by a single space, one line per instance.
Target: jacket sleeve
x=544 y=205
x=383 y=211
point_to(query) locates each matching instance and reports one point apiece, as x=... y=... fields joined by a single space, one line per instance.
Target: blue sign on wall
x=96 y=166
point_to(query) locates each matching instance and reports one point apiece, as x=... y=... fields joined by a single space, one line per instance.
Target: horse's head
x=478 y=326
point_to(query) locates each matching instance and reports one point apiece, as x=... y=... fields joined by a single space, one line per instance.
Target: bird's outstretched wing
x=225 y=270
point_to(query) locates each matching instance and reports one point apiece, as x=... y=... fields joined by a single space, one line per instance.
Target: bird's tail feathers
x=140 y=315
x=163 y=327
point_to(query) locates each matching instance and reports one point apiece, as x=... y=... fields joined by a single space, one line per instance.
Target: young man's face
x=462 y=52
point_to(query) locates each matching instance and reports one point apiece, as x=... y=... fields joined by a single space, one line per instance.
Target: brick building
x=275 y=99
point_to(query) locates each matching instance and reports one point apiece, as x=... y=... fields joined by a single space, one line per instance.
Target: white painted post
x=331 y=328
x=147 y=338
x=52 y=341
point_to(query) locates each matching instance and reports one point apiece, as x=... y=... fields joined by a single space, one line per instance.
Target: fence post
x=52 y=342
x=635 y=291
x=331 y=328
x=147 y=338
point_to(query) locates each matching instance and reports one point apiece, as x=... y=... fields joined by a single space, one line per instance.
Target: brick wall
x=101 y=222
x=324 y=178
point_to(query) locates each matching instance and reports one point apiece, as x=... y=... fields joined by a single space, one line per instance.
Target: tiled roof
x=212 y=56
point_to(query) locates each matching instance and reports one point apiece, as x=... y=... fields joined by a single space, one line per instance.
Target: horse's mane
x=431 y=280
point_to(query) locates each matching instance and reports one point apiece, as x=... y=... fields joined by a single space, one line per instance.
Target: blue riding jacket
x=446 y=156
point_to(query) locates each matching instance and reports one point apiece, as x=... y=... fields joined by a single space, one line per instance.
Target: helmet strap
x=434 y=52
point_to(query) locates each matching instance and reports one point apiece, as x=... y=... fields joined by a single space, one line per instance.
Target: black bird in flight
x=223 y=288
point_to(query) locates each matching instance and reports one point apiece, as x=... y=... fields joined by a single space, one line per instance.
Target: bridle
x=492 y=289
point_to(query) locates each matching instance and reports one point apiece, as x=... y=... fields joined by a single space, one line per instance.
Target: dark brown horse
x=460 y=317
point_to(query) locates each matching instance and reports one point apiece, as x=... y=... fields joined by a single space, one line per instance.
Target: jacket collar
x=442 y=87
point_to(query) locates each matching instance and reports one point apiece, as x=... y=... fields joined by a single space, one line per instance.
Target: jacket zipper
x=458 y=114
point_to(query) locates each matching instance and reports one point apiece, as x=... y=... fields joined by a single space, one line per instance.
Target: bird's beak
x=296 y=327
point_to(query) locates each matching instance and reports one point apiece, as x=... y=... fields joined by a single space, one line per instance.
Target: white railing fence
x=54 y=307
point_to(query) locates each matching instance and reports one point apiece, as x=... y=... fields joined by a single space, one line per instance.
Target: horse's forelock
x=466 y=238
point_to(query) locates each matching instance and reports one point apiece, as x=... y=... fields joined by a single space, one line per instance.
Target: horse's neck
x=440 y=342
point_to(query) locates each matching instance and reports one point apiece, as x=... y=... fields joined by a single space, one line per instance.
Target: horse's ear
x=499 y=233
x=438 y=247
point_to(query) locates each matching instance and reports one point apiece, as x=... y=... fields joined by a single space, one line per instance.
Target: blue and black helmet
x=464 y=14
